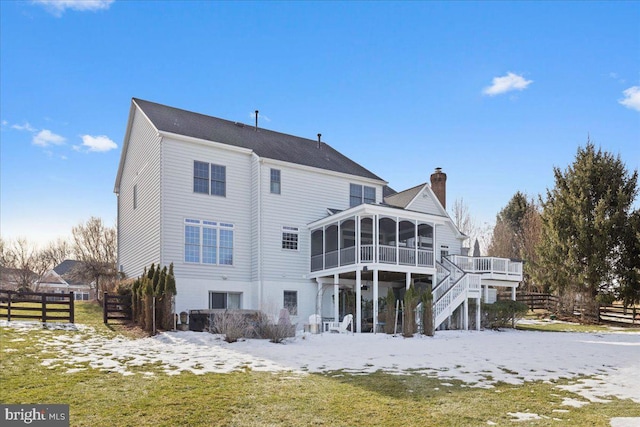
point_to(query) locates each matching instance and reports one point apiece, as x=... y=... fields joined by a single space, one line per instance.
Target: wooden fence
x=45 y=307
x=614 y=313
x=537 y=301
x=618 y=313
x=116 y=307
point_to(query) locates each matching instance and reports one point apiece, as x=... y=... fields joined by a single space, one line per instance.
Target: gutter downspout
x=259 y=207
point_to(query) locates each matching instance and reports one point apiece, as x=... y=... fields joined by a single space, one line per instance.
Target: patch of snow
x=625 y=422
x=524 y=416
x=575 y=403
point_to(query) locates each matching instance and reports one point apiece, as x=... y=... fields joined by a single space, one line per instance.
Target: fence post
x=9 y=306
x=105 y=314
x=71 y=307
x=44 y=308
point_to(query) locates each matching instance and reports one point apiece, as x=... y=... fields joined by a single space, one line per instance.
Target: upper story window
x=209 y=178
x=290 y=238
x=208 y=242
x=359 y=194
x=275 y=181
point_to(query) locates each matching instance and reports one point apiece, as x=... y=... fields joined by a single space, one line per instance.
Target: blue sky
x=496 y=93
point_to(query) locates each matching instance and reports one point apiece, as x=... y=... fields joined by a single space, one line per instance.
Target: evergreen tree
x=156 y=280
x=583 y=225
x=151 y=272
x=409 y=327
x=170 y=284
x=390 y=312
x=628 y=265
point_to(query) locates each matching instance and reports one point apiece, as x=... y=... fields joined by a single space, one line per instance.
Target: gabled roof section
x=403 y=198
x=265 y=143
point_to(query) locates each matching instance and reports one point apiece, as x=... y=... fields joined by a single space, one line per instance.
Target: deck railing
x=489 y=265
x=387 y=254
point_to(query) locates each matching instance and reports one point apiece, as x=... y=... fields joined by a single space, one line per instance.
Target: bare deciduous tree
x=58 y=251
x=469 y=226
x=94 y=245
x=23 y=264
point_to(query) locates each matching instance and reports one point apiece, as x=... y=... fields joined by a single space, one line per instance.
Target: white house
x=257 y=219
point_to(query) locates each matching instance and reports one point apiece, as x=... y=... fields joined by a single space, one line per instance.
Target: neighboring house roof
x=403 y=198
x=64 y=274
x=66 y=266
x=265 y=143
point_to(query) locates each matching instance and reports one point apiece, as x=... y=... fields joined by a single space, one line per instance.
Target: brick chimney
x=439 y=186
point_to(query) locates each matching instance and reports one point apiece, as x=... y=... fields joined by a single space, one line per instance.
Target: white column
x=486 y=294
x=358 y=300
x=336 y=298
x=375 y=300
x=466 y=314
x=408 y=280
x=477 y=314
x=513 y=293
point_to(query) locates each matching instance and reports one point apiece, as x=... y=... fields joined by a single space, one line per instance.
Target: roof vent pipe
x=256 y=119
x=319 y=142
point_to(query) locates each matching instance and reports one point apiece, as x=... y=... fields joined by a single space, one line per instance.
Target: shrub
x=427 y=312
x=232 y=324
x=503 y=313
x=390 y=312
x=409 y=326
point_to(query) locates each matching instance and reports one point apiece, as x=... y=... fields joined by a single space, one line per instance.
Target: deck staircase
x=453 y=287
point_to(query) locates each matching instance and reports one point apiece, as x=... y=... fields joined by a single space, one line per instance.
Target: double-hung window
x=209 y=178
x=275 y=181
x=359 y=194
x=208 y=242
x=290 y=238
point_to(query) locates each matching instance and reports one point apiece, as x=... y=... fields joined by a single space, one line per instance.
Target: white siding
x=445 y=235
x=424 y=203
x=139 y=229
x=304 y=197
x=180 y=202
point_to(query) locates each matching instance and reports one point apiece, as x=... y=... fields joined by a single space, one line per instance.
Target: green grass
x=572 y=327
x=248 y=398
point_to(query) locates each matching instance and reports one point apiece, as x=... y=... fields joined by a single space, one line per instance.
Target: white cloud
x=45 y=138
x=100 y=143
x=58 y=7
x=26 y=126
x=631 y=98
x=504 y=84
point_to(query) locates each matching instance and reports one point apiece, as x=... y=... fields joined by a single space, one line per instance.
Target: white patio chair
x=341 y=327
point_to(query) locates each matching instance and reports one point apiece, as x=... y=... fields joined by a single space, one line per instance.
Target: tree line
x=580 y=240
x=23 y=265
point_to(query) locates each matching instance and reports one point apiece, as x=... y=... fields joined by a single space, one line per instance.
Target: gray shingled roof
x=263 y=142
x=403 y=198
